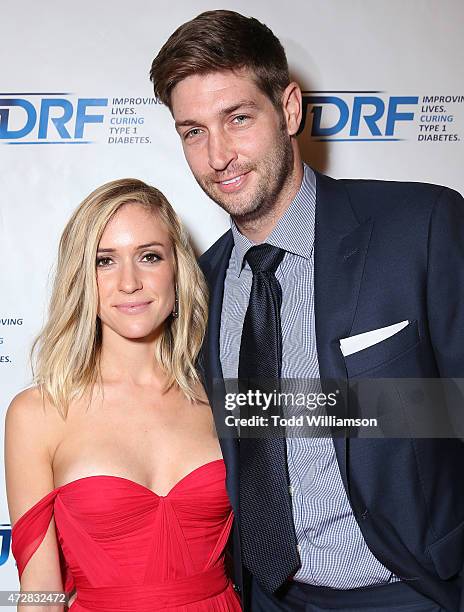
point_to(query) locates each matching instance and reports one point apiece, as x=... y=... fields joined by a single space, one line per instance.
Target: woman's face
x=135 y=273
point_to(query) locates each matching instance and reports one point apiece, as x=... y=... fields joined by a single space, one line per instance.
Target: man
x=325 y=523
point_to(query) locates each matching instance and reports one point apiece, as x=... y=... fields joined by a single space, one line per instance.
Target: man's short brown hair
x=216 y=41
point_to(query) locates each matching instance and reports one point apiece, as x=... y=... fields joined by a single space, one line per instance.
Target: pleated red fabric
x=126 y=548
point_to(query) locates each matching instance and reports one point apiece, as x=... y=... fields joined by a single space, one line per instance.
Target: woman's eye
x=103 y=262
x=151 y=257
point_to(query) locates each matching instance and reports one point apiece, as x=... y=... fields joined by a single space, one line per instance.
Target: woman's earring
x=175 y=312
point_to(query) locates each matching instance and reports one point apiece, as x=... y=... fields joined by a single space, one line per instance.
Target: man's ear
x=292 y=107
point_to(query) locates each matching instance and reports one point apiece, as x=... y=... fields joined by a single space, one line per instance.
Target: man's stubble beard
x=275 y=172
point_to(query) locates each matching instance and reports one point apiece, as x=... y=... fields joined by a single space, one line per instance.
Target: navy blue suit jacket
x=384 y=252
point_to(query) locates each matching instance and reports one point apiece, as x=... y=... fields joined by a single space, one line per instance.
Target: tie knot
x=264 y=258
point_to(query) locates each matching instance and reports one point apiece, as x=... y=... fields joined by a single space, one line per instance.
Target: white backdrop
x=400 y=63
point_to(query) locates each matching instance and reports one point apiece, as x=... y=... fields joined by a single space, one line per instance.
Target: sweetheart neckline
x=138 y=484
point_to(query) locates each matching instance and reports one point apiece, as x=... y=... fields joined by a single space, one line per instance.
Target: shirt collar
x=294 y=231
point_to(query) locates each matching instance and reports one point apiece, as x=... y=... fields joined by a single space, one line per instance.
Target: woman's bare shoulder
x=28 y=446
x=31 y=413
x=26 y=405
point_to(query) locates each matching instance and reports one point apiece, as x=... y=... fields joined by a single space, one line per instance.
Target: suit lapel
x=340 y=249
x=215 y=269
x=215 y=272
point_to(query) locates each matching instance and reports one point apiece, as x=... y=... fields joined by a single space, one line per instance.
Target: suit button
x=236 y=588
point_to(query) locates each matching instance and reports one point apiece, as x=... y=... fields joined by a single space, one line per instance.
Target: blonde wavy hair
x=65 y=355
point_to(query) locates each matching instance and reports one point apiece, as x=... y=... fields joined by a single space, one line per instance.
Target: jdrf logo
x=48 y=120
x=357 y=116
x=5 y=535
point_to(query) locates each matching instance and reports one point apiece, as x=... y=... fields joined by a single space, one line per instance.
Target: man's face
x=235 y=141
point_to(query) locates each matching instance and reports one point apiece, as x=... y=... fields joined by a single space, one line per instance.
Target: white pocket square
x=353 y=344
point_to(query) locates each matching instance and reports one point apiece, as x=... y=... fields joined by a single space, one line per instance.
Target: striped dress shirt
x=332 y=549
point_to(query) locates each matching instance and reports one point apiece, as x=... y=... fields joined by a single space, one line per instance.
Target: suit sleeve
x=445 y=283
x=445 y=295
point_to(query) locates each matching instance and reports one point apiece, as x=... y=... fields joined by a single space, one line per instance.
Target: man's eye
x=240 y=119
x=104 y=262
x=151 y=257
x=192 y=133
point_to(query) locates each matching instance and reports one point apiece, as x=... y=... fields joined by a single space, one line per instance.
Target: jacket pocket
x=381 y=353
x=448 y=553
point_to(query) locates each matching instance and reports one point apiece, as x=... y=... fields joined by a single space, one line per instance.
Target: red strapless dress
x=126 y=548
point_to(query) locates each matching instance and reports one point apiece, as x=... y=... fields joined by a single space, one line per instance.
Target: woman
x=115 y=478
